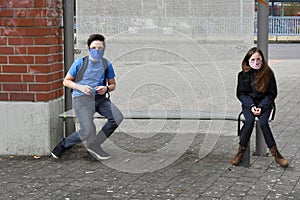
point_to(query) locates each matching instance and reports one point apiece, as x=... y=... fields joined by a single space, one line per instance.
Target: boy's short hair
x=94 y=37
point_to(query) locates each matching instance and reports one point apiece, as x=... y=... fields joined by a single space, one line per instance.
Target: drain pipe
x=68 y=23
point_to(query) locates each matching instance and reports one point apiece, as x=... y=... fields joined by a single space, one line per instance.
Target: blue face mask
x=97 y=54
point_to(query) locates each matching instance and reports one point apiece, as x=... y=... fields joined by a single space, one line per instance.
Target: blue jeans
x=85 y=107
x=249 y=124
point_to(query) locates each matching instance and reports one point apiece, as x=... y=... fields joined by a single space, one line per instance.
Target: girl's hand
x=255 y=110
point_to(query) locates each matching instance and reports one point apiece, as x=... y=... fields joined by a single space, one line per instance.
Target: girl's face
x=255 y=61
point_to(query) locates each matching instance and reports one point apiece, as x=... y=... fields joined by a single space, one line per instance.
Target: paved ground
x=178 y=174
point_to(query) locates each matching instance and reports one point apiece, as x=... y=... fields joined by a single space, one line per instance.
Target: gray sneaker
x=98 y=152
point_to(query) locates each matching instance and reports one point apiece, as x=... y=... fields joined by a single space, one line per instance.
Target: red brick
x=42 y=22
x=3 y=59
x=6 y=13
x=20 y=4
x=44 y=78
x=48 y=40
x=56 y=49
x=39 y=69
x=44 y=59
x=36 y=12
x=19 y=12
x=55 y=12
x=10 y=78
x=57 y=67
x=20 y=41
x=57 y=93
x=49 y=96
x=57 y=85
x=21 y=59
x=13 y=31
x=3 y=96
x=48 y=4
x=39 y=50
x=21 y=50
x=43 y=97
x=3 y=22
x=15 y=87
x=58 y=75
x=6 y=50
x=28 y=77
x=3 y=40
x=39 y=87
x=14 y=69
x=2 y=3
x=56 y=22
x=22 y=96
x=57 y=57
x=20 y=22
x=45 y=31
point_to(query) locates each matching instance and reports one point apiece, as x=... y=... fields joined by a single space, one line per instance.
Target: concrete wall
x=29 y=128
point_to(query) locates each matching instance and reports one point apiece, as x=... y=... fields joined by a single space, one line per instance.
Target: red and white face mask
x=255 y=61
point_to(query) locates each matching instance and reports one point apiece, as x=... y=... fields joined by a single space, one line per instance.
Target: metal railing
x=194 y=26
x=282 y=26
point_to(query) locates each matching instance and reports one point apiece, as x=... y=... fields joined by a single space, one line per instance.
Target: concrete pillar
x=31 y=73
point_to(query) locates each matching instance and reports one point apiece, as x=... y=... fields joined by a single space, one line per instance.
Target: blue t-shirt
x=93 y=76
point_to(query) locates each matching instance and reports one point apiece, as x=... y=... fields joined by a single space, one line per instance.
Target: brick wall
x=31 y=50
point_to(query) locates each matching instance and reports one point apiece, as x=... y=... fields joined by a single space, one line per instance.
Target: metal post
x=246 y=159
x=261 y=149
x=262 y=43
x=263 y=27
x=68 y=20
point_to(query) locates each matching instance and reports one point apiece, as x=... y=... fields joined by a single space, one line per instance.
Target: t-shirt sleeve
x=110 y=72
x=75 y=67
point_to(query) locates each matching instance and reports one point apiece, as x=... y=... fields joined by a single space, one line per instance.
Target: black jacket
x=249 y=96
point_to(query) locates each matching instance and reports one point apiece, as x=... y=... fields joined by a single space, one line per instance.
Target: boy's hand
x=101 y=89
x=84 y=88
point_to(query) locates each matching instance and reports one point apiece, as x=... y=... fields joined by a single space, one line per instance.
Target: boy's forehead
x=97 y=43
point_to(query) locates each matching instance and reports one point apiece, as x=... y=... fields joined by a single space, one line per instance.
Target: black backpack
x=84 y=66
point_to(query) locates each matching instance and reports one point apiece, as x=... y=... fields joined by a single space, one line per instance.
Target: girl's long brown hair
x=263 y=75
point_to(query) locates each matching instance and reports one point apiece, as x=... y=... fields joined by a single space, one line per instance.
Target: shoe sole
x=54 y=156
x=97 y=156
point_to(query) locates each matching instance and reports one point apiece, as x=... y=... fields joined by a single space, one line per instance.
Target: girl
x=257 y=90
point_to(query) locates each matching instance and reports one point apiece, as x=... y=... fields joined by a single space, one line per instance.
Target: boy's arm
x=69 y=82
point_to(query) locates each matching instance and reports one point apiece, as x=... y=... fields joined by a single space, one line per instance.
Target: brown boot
x=278 y=157
x=239 y=156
